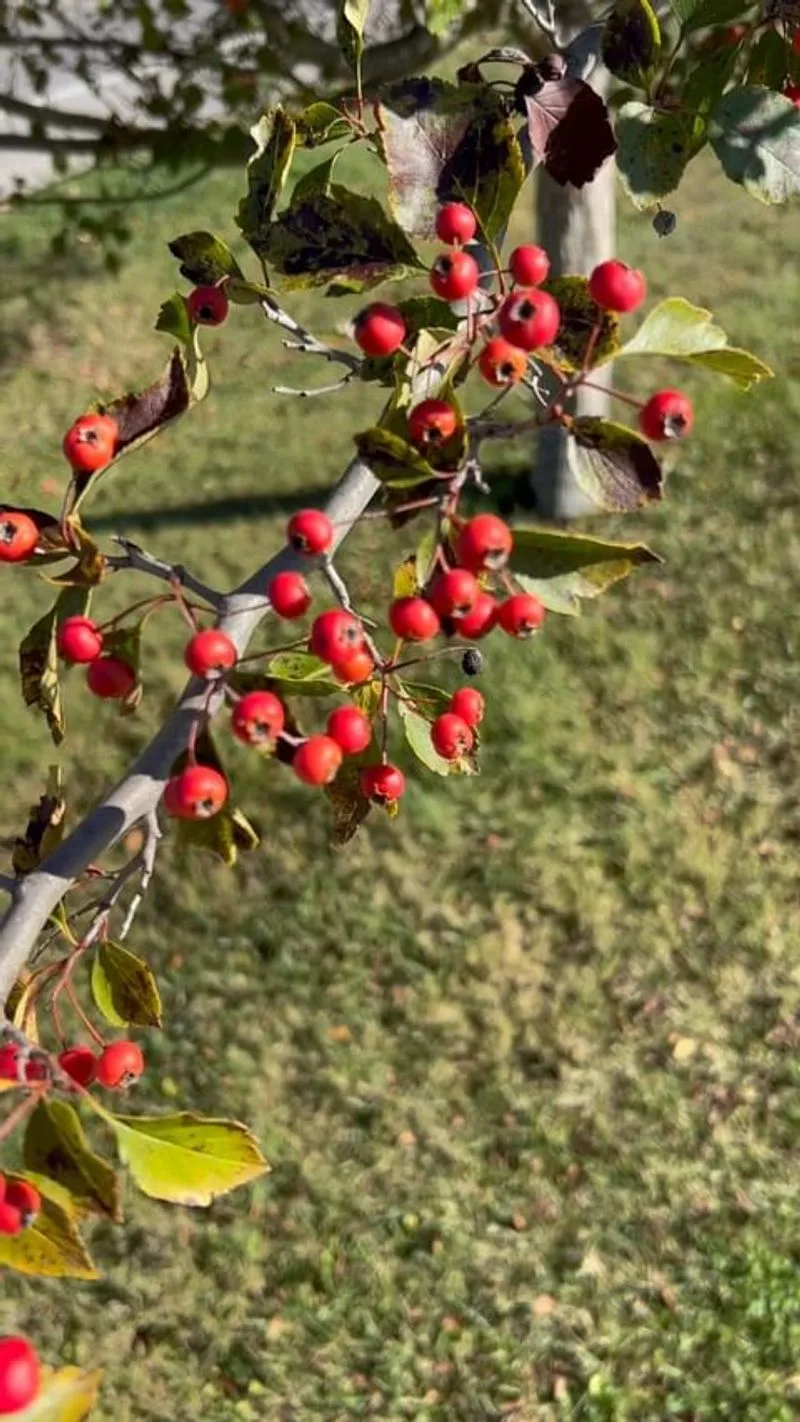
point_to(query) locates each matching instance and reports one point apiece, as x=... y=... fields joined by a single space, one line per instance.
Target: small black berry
x=472 y=662
x=664 y=222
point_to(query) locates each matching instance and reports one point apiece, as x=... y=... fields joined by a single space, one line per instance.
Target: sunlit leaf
x=124 y=988
x=186 y=1159
x=55 y=1145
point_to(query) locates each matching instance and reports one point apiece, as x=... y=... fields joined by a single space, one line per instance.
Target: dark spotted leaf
x=350 y=808
x=51 y=1246
x=274 y=136
x=578 y=315
x=38 y=659
x=45 y=828
x=337 y=237
x=570 y=131
x=563 y=568
x=392 y=459
x=204 y=258
x=613 y=465
x=124 y=988
x=55 y=1146
x=653 y=149
x=631 y=41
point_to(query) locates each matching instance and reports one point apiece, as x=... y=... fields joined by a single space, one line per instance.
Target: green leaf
x=579 y=312
x=767 y=60
x=39 y=663
x=67 y=1395
x=441 y=15
x=613 y=465
x=338 y=237
x=418 y=735
x=653 y=149
x=299 y=667
x=443 y=142
x=392 y=459
x=205 y=259
x=701 y=14
x=45 y=828
x=186 y=1159
x=350 y=28
x=681 y=331
x=562 y=568
x=631 y=41
x=124 y=988
x=320 y=123
x=55 y=1146
x=173 y=318
x=317 y=180
x=274 y=136
x=756 y=136
x=50 y=1247
x=704 y=87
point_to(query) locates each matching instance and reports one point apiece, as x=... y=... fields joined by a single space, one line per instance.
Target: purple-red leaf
x=569 y=127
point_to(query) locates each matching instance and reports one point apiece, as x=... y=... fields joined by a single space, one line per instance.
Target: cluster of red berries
x=20 y=1375
x=20 y=1203
x=116 y=1067
x=80 y=640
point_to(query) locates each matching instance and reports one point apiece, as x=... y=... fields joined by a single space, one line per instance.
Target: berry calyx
x=792 y=92
x=10 y=1219
x=479 y=621
x=289 y=594
x=110 y=678
x=79 y=639
x=667 y=415
x=451 y=736
x=521 y=615
x=484 y=543
x=469 y=704
x=379 y=329
x=80 y=1064
x=310 y=531
x=196 y=793
x=90 y=443
x=317 y=760
x=382 y=783
x=617 y=287
x=502 y=364
x=208 y=305
x=350 y=729
x=454 y=592
x=258 y=718
x=335 y=636
x=529 y=265
x=530 y=319
x=119 y=1065
x=432 y=422
x=18 y=536
x=355 y=669
x=455 y=222
x=210 y=652
x=413 y=619
x=20 y=1375
x=25 y=1198
x=454 y=275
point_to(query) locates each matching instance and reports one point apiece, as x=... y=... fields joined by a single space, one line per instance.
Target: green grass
x=525 y=1061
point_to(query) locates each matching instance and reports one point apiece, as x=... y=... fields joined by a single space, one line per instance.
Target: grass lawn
x=525 y=1062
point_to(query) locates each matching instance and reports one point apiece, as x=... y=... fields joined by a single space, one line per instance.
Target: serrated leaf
x=677 y=329
x=631 y=41
x=45 y=828
x=613 y=465
x=38 y=659
x=67 y=1395
x=320 y=123
x=124 y=988
x=274 y=136
x=173 y=318
x=422 y=123
x=186 y=1159
x=392 y=459
x=562 y=568
x=55 y=1145
x=51 y=1246
x=418 y=735
x=755 y=133
x=653 y=149
x=487 y=169
x=350 y=807
x=569 y=127
x=337 y=237
x=204 y=258
x=579 y=312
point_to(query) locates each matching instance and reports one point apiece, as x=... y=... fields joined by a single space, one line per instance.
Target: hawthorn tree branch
x=303 y=339
x=143 y=562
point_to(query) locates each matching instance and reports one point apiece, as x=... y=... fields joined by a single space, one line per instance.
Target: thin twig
x=319 y=390
x=304 y=341
x=143 y=562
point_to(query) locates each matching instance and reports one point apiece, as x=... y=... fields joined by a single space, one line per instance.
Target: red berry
x=413 y=619
x=454 y=275
x=310 y=531
x=355 y=669
x=289 y=594
x=480 y=619
x=667 y=415
x=336 y=635
x=521 y=615
x=792 y=91
x=91 y=443
x=529 y=265
x=79 y=639
x=25 y=1198
x=110 y=678
x=80 y=1064
x=502 y=364
x=530 y=319
x=382 y=783
x=9 y=1062
x=454 y=592
x=18 y=536
x=432 y=422
x=10 y=1218
x=19 y=1375
x=317 y=760
x=617 y=287
x=196 y=793
x=350 y=729
x=455 y=222
x=468 y=703
x=258 y=718
x=796 y=40
x=208 y=305
x=379 y=329
x=120 y=1064
x=210 y=652
x=451 y=736
x=484 y=543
